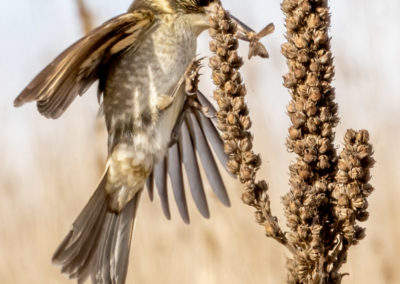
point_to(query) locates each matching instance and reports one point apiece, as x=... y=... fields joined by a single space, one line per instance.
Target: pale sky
x=365 y=44
x=365 y=34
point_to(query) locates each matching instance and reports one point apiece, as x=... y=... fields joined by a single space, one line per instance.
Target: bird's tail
x=98 y=243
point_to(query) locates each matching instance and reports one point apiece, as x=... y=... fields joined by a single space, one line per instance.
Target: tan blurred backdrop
x=48 y=169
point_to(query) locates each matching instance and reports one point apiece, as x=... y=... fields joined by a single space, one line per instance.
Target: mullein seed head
x=326 y=192
x=233 y=115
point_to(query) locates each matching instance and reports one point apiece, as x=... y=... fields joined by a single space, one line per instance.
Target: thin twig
x=85 y=16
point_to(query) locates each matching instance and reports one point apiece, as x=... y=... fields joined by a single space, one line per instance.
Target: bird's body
x=137 y=90
x=140 y=59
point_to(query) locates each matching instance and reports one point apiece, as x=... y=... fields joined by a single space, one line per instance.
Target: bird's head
x=173 y=6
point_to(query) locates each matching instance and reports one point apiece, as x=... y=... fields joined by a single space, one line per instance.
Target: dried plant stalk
x=328 y=194
x=313 y=114
x=319 y=209
x=85 y=16
x=234 y=121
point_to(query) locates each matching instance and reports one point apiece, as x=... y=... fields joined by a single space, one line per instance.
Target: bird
x=140 y=59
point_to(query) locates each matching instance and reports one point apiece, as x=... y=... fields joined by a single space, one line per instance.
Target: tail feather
x=101 y=268
x=75 y=250
x=121 y=246
x=98 y=244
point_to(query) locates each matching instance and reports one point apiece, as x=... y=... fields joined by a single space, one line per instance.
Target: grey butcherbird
x=140 y=59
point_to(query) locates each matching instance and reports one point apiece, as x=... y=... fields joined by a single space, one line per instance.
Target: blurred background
x=48 y=169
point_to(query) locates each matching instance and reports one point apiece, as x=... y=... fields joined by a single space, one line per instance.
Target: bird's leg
x=191 y=88
x=192 y=77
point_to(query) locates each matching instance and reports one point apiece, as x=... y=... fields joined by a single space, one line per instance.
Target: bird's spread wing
x=74 y=70
x=197 y=133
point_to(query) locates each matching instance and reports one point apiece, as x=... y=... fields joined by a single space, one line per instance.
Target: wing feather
x=192 y=170
x=208 y=126
x=207 y=159
x=213 y=138
x=75 y=69
x=160 y=177
x=195 y=131
x=150 y=186
x=175 y=174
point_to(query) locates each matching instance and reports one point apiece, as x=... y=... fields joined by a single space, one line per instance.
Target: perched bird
x=141 y=59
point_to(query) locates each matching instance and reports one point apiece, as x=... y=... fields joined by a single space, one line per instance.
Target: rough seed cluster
x=312 y=112
x=352 y=187
x=327 y=194
x=233 y=118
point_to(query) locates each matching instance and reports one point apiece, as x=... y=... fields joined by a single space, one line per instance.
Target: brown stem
x=85 y=16
x=327 y=194
x=234 y=121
